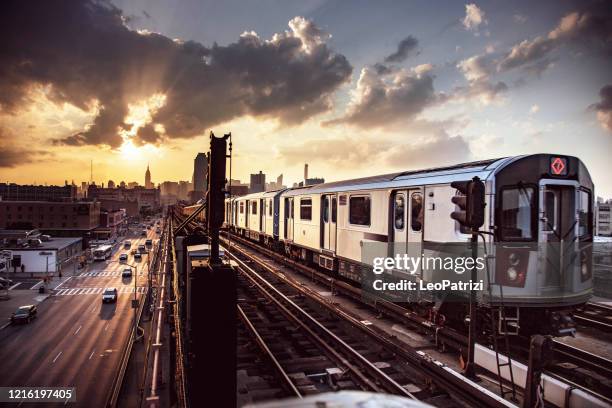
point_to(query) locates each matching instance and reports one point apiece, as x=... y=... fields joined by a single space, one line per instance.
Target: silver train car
x=538 y=232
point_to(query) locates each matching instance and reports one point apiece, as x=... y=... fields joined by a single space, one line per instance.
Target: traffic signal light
x=471 y=203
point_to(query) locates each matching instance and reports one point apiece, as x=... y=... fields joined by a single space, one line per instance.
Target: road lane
x=76 y=340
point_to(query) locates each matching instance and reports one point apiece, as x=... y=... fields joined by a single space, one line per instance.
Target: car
x=127 y=244
x=144 y=233
x=149 y=242
x=142 y=249
x=123 y=258
x=109 y=295
x=137 y=255
x=158 y=231
x=24 y=314
x=127 y=273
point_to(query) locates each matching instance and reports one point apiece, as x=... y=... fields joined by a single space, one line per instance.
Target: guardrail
x=113 y=395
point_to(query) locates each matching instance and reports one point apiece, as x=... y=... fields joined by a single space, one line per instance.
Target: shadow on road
x=107 y=311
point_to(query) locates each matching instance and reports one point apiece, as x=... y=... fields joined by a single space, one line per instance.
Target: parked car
x=109 y=295
x=158 y=231
x=123 y=258
x=144 y=233
x=24 y=314
x=127 y=273
x=5 y=282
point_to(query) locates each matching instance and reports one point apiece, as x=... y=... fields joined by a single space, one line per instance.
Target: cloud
x=405 y=48
x=289 y=77
x=380 y=101
x=589 y=30
x=604 y=108
x=13 y=156
x=474 y=17
x=534 y=109
x=519 y=18
x=438 y=148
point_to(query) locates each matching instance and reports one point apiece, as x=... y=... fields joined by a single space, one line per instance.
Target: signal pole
x=471 y=214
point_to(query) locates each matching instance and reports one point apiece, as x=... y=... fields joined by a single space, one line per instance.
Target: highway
x=76 y=340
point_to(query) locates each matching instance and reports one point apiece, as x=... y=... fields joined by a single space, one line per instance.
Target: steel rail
x=288 y=384
x=274 y=295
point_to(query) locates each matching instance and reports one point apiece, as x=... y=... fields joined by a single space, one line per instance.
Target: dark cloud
x=381 y=102
x=405 y=48
x=89 y=58
x=148 y=134
x=604 y=107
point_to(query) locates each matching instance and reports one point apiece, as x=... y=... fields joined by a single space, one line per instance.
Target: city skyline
x=478 y=80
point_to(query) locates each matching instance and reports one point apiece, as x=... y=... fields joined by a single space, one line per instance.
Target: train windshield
x=517 y=213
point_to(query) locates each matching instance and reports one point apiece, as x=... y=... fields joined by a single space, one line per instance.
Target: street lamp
x=135 y=300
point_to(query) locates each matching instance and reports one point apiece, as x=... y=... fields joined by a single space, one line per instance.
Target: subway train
x=538 y=234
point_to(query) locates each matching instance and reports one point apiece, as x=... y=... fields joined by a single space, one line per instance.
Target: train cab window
x=551 y=204
x=416 y=212
x=398 y=212
x=359 y=210
x=584 y=213
x=334 y=209
x=517 y=213
x=254 y=207
x=305 y=209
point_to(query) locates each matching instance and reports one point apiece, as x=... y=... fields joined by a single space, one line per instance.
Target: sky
x=353 y=88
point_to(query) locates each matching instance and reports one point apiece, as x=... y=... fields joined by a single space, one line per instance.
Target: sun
x=129 y=151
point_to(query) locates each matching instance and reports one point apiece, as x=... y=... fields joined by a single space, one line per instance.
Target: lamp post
x=135 y=300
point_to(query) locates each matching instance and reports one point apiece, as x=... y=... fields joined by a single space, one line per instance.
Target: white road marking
x=77 y=330
x=15 y=285
x=56 y=357
x=37 y=285
x=62 y=283
x=106 y=327
x=92 y=353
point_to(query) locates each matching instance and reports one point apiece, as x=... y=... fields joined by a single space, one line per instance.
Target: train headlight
x=512 y=273
x=513 y=259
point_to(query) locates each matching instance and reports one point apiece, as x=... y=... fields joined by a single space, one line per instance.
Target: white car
x=127 y=273
x=109 y=295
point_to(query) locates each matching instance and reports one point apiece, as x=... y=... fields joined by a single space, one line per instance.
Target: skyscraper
x=200 y=170
x=258 y=183
x=148 y=183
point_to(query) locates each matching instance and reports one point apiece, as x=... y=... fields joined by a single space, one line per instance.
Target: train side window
x=270 y=207
x=359 y=210
x=242 y=207
x=334 y=210
x=517 y=213
x=398 y=212
x=305 y=209
x=254 y=207
x=325 y=208
x=584 y=213
x=416 y=212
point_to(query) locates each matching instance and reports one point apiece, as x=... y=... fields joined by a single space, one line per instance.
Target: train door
x=289 y=218
x=262 y=215
x=407 y=212
x=558 y=230
x=247 y=210
x=328 y=222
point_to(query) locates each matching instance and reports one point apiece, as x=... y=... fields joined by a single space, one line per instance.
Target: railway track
x=431 y=381
x=573 y=365
x=595 y=315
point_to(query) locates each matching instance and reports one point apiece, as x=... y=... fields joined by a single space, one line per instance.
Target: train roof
x=434 y=175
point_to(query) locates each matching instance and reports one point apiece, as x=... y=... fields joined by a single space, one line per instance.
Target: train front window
x=584 y=213
x=517 y=211
x=399 y=212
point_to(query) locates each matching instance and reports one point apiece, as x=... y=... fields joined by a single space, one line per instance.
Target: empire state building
x=148 y=183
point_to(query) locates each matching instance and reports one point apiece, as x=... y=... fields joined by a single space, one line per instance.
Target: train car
x=538 y=232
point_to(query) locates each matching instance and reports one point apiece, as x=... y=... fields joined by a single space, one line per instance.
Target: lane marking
x=37 y=285
x=106 y=327
x=15 y=285
x=56 y=357
x=62 y=283
x=77 y=330
x=92 y=353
